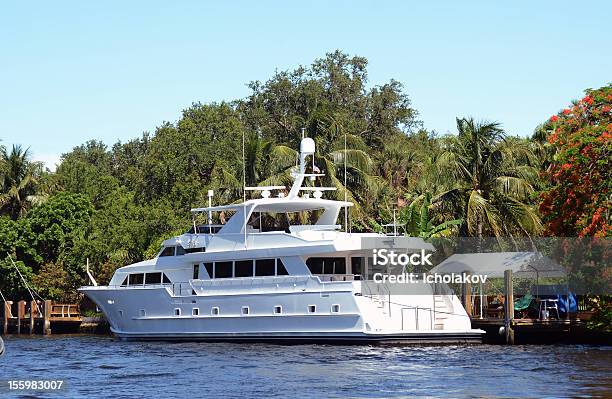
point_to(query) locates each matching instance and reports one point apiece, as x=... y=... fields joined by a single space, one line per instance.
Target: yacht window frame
x=244 y=261
x=196 y=271
x=171 y=248
x=161 y=278
x=278 y=266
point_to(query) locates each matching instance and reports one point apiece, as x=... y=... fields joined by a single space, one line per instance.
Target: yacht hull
x=415 y=338
x=149 y=314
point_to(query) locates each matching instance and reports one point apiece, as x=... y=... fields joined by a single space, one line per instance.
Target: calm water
x=95 y=366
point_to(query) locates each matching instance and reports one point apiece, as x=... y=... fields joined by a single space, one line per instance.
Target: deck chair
x=523 y=304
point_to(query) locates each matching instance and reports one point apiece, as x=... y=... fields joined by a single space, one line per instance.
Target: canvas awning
x=493 y=264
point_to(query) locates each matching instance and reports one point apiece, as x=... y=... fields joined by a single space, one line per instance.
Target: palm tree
x=493 y=181
x=417 y=221
x=339 y=151
x=18 y=181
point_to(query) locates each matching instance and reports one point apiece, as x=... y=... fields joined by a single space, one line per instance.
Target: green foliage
x=115 y=205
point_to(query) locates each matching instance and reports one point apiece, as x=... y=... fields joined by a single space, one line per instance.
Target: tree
x=418 y=223
x=494 y=180
x=18 y=181
x=577 y=201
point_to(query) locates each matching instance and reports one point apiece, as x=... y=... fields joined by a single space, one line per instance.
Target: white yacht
x=248 y=280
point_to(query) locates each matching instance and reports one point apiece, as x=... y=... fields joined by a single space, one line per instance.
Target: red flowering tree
x=577 y=201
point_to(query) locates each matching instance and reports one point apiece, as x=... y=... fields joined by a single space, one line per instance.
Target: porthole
x=245 y=311
x=214 y=311
x=312 y=308
x=278 y=309
x=335 y=308
x=177 y=311
x=195 y=312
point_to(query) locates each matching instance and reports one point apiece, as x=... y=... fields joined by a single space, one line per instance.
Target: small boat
x=1 y=347
x=280 y=269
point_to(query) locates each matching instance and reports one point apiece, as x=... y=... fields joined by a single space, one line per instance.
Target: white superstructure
x=261 y=277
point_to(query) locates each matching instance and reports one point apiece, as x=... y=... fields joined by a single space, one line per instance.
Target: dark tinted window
x=209 y=269
x=243 y=268
x=280 y=268
x=125 y=281
x=315 y=265
x=339 y=265
x=136 y=279
x=198 y=249
x=223 y=269
x=166 y=280
x=357 y=265
x=326 y=265
x=264 y=267
x=168 y=251
x=153 y=278
x=196 y=272
x=180 y=250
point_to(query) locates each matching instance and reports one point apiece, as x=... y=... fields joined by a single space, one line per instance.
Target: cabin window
x=265 y=267
x=136 y=279
x=177 y=311
x=194 y=250
x=315 y=265
x=196 y=272
x=180 y=250
x=223 y=269
x=245 y=311
x=209 y=269
x=125 y=281
x=153 y=278
x=168 y=251
x=280 y=268
x=278 y=309
x=335 y=308
x=357 y=265
x=243 y=268
x=326 y=265
x=312 y=308
x=195 y=312
x=214 y=311
x=166 y=280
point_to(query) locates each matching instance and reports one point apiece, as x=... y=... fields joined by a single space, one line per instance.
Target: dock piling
x=20 y=314
x=508 y=306
x=46 y=328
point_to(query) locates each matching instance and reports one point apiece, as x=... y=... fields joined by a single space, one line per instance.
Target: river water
x=101 y=366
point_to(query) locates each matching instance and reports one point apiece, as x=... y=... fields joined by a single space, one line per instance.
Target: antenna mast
x=345 y=188
x=243 y=170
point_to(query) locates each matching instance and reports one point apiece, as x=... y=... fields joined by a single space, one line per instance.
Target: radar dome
x=307 y=145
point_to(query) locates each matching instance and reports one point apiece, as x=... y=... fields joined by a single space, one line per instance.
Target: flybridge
x=284 y=202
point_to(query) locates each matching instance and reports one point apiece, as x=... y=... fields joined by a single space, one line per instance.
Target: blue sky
x=73 y=71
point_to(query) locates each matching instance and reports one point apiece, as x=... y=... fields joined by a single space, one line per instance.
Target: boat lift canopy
x=493 y=264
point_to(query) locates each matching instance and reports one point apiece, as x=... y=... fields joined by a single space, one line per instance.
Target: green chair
x=523 y=304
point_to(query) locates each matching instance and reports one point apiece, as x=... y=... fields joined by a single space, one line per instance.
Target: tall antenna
x=345 y=189
x=243 y=170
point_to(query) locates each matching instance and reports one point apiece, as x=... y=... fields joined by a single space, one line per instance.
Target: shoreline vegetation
x=114 y=205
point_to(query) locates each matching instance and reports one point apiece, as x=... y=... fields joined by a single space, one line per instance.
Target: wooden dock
x=39 y=317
